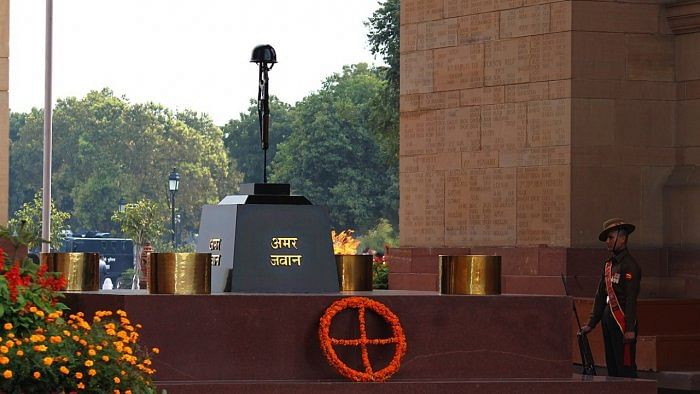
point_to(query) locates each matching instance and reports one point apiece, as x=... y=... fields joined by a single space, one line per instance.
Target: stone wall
x=528 y=122
x=485 y=123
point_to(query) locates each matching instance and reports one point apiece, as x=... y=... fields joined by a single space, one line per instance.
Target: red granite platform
x=268 y=342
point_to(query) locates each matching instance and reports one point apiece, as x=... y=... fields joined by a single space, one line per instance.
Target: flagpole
x=48 y=107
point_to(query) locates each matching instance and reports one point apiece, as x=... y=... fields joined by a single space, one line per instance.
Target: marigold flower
x=75 y=338
x=4 y=360
x=7 y=326
x=10 y=344
x=155 y=350
x=37 y=338
x=20 y=353
x=55 y=339
x=7 y=374
x=127 y=392
x=92 y=372
x=36 y=375
x=105 y=358
x=4 y=349
x=48 y=361
x=39 y=313
x=64 y=370
x=81 y=386
x=33 y=309
x=89 y=363
x=83 y=342
x=66 y=333
x=78 y=375
x=40 y=348
x=91 y=352
x=117 y=380
x=10 y=335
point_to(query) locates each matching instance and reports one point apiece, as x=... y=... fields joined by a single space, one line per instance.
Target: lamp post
x=173 y=185
x=122 y=204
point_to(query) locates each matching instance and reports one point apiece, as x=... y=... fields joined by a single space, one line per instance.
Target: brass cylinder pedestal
x=470 y=274
x=81 y=270
x=179 y=273
x=354 y=272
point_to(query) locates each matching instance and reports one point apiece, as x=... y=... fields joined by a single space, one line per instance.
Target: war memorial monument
x=524 y=125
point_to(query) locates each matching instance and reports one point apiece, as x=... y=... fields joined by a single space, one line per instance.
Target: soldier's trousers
x=615 y=349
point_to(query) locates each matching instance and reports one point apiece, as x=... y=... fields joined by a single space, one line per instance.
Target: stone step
x=576 y=384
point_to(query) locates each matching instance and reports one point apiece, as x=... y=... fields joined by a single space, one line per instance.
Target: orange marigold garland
x=362 y=304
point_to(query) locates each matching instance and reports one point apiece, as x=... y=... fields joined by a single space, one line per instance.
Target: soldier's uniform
x=625 y=277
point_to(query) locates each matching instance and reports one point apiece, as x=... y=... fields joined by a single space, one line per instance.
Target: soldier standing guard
x=616 y=301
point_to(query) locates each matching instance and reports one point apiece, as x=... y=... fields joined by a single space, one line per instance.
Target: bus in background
x=116 y=253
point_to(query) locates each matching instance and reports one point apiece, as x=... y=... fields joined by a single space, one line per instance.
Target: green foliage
x=106 y=147
x=380 y=275
x=17 y=120
x=27 y=223
x=141 y=221
x=383 y=38
x=242 y=137
x=26 y=158
x=379 y=237
x=331 y=157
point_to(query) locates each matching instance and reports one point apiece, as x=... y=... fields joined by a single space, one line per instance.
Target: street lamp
x=122 y=204
x=173 y=185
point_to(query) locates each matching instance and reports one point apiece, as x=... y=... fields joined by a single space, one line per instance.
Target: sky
x=184 y=54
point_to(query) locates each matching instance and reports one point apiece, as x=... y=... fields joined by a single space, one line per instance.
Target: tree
x=26 y=158
x=29 y=219
x=143 y=222
x=383 y=37
x=331 y=156
x=17 y=120
x=106 y=148
x=379 y=236
x=242 y=137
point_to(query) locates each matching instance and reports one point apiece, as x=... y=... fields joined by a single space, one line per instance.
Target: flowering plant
x=344 y=243
x=41 y=351
x=74 y=355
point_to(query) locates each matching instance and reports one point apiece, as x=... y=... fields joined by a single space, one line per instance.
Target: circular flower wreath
x=362 y=304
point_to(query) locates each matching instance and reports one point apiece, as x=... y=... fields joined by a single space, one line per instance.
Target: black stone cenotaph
x=268 y=241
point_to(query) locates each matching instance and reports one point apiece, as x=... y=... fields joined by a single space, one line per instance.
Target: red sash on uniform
x=617 y=312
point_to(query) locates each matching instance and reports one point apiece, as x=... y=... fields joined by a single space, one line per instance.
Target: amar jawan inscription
x=279 y=245
x=215 y=249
